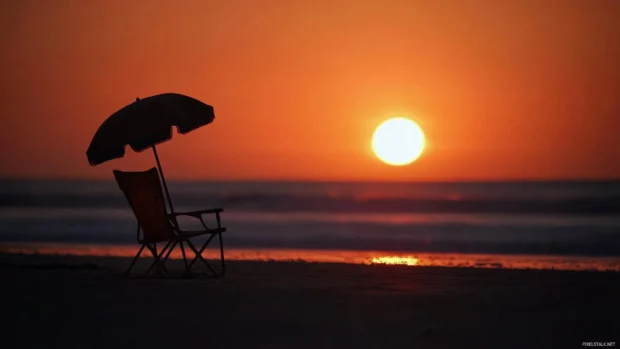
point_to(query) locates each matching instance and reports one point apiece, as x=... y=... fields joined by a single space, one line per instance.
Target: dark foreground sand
x=82 y=302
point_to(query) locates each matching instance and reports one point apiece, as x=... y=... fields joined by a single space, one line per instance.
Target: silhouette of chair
x=144 y=194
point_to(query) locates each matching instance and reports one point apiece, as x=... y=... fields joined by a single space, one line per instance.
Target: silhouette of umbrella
x=146 y=123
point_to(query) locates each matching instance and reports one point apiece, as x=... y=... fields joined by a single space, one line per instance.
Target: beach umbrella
x=146 y=123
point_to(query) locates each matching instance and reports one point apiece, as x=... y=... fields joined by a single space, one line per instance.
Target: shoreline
x=410 y=259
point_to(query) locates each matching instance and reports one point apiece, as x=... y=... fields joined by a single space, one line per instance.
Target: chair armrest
x=198 y=213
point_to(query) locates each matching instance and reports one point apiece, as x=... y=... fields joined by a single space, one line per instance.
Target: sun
x=398 y=141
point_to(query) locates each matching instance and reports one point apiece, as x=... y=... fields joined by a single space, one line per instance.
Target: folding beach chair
x=144 y=194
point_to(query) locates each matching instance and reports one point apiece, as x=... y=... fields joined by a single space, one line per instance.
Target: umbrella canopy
x=145 y=123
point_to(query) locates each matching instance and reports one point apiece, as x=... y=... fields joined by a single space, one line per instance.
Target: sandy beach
x=84 y=302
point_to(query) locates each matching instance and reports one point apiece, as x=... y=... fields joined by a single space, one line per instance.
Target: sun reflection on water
x=395 y=260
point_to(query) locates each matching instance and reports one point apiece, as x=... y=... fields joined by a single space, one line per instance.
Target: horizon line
x=301 y=180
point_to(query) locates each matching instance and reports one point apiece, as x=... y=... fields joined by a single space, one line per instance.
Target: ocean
x=571 y=222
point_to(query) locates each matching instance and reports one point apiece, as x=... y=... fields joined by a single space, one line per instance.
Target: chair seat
x=186 y=234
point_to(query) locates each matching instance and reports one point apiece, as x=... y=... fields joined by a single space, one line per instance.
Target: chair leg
x=184 y=257
x=156 y=262
x=199 y=256
x=135 y=259
x=198 y=253
x=222 y=261
x=172 y=246
x=159 y=263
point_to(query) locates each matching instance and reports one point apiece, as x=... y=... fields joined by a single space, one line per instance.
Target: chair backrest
x=144 y=193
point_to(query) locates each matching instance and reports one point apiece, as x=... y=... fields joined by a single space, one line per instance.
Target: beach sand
x=84 y=302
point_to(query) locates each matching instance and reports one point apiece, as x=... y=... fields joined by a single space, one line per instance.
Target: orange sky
x=503 y=89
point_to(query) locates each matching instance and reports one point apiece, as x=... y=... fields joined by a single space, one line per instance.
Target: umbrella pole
x=163 y=179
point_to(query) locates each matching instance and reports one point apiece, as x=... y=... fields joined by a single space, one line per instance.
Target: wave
x=419 y=237
x=505 y=218
x=307 y=232
x=590 y=205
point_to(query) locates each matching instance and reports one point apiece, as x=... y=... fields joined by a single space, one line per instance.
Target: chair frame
x=179 y=237
x=160 y=258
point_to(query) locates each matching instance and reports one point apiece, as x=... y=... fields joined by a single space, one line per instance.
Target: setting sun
x=398 y=141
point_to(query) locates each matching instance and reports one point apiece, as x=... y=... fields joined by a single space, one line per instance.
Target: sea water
x=568 y=221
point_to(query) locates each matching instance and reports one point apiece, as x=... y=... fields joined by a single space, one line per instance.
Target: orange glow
x=502 y=89
x=338 y=256
x=395 y=260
